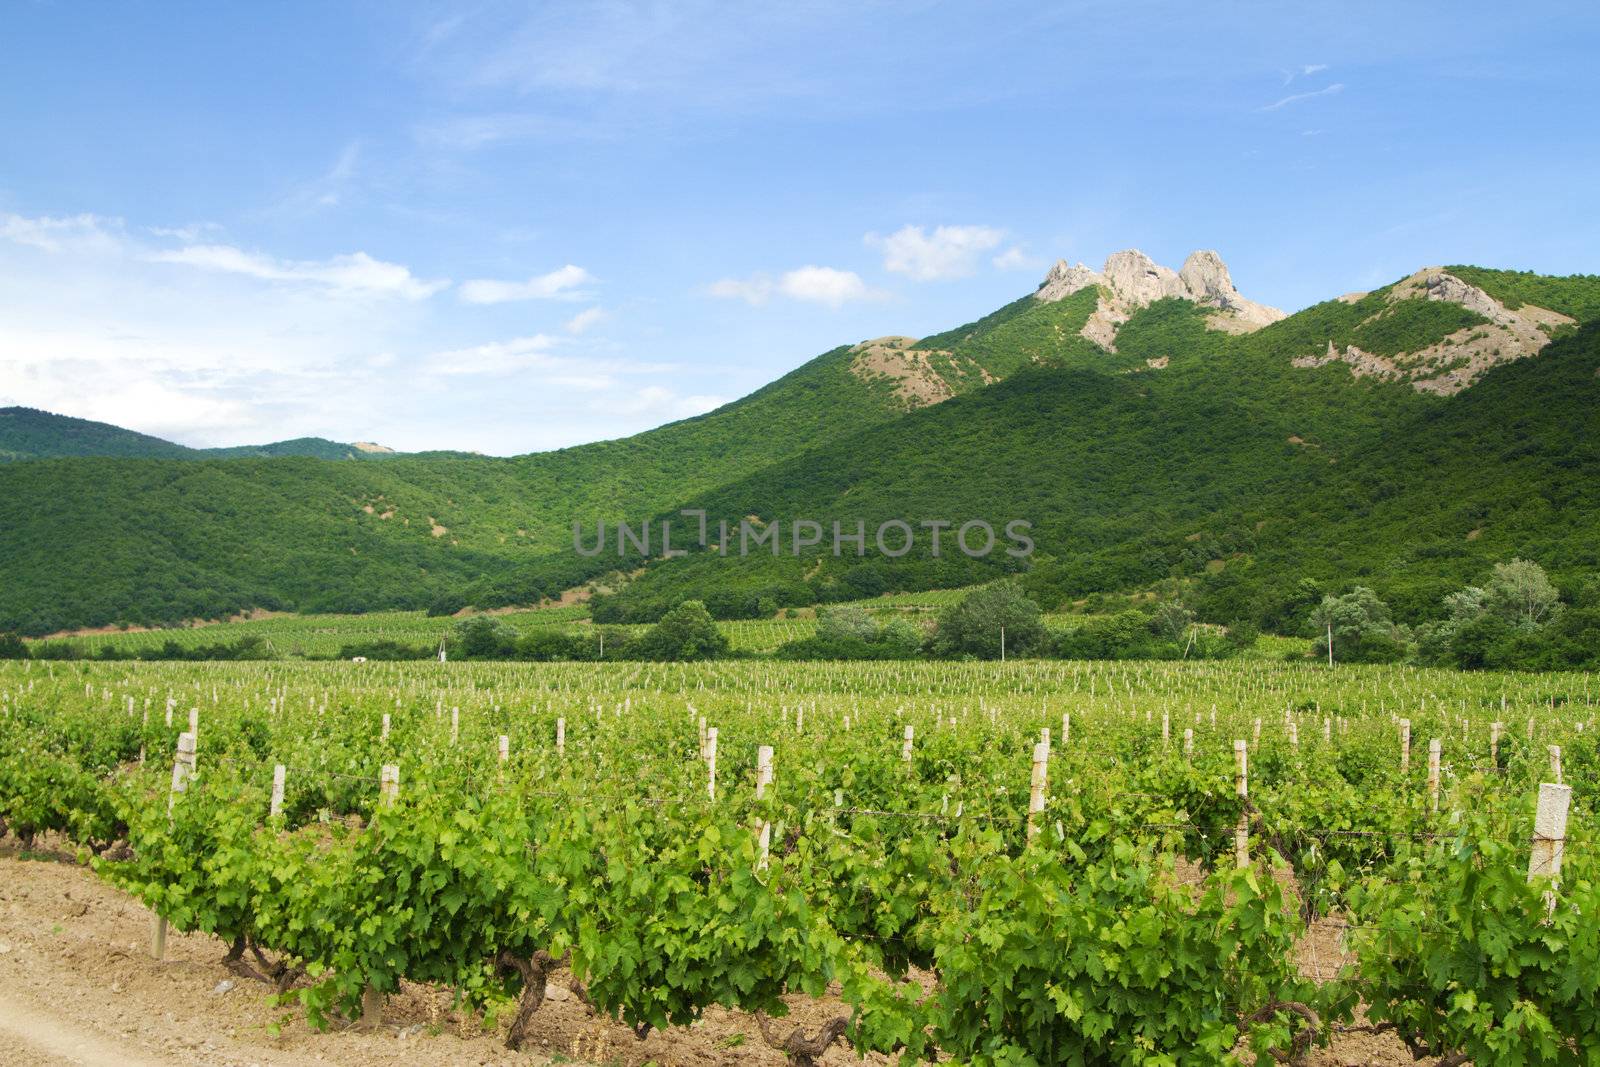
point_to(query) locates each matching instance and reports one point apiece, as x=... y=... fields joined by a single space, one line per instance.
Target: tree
x=484 y=637
x=846 y=621
x=973 y=626
x=1362 y=629
x=1171 y=622
x=12 y=647
x=687 y=632
x=1521 y=593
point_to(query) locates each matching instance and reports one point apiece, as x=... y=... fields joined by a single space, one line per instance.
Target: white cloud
x=495 y=357
x=80 y=233
x=1336 y=87
x=584 y=319
x=818 y=285
x=1014 y=258
x=353 y=273
x=947 y=252
x=561 y=284
x=659 y=401
x=754 y=290
x=824 y=285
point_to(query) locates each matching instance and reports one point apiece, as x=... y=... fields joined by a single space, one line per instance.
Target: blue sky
x=510 y=227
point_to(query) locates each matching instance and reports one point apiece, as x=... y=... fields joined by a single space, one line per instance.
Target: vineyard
x=1009 y=864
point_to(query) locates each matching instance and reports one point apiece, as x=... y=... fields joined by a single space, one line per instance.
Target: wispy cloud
x=947 y=252
x=356 y=272
x=817 y=285
x=1304 y=71
x=1336 y=87
x=1015 y=258
x=583 y=320
x=563 y=283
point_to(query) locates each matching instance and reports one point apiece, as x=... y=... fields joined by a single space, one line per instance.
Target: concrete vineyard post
x=711 y=762
x=279 y=775
x=183 y=762
x=763 y=779
x=1434 y=747
x=1036 y=788
x=455 y=724
x=1188 y=744
x=388 y=783
x=1241 y=786
x=505 y=748
x=561 y=737
x=905 y=748
x=1555 y=763
x=1405 y=745
x=1549 y=831
x=1494 y=743
x=385 y=735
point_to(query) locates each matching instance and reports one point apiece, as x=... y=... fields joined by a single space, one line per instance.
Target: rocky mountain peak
x=1132 y=280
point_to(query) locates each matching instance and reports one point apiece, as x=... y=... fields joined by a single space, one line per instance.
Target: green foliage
x=1361 y=627
x=485 y=637
x=687 y=632
x=1468 y=958
x=1576 y=295
x=988 y=620
x=1109 y=962
x=12 y=647
x=1412 y=325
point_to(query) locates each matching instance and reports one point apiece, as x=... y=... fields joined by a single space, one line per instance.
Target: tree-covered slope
x=27 y=433
x=1187 y=452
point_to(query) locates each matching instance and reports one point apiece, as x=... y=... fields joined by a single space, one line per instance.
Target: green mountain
x=1152 y=426
x=27 y=433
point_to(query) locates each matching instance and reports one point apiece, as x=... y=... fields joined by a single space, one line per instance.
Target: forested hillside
x=1348 y=441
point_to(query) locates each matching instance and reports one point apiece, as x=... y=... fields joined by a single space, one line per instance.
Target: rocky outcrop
x=1457 y=360
x=1131 y=280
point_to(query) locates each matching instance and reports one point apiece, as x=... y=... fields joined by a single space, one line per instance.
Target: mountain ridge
x=1177 y=429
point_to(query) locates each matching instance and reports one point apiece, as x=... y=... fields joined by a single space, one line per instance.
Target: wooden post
x=711 y=762
x=1405 y=745
x=1549 y=831
x=1036 y=789
x=182 y=767
x=1241 y=786
x=279 y=774
x=763 y=779
x=1434 y=747
x=1555 y=763
x=905 y=748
